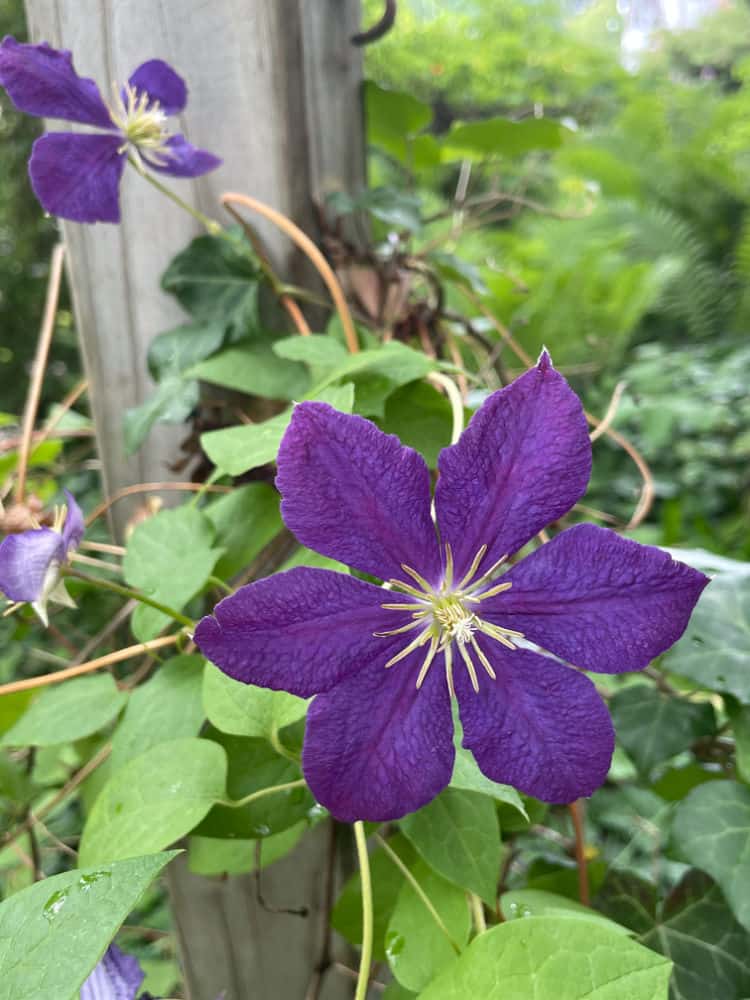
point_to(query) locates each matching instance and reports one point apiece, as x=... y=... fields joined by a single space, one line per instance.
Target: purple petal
x=117 y=977
x=162 y=84
x=540 y=727
x=183 y=160
x=78 y=176
x=24 y=561
x=355 y=494
x=74 y=526
x=375 y=747
x=41 y=81
x=600 y=601
x=301 y=631
x=523 y=461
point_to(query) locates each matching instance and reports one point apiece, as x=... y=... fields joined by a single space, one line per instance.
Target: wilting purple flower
x=30 y=561
x=384 y=664
x=116 y=977
x=77 y=176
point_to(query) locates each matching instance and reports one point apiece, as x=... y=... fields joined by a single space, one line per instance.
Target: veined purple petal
x=41 y=81
x=302 y=631
x=375 y=747
x=523 y=461
x=184 y=160
x=78 y=176
x=540 y=727
x=600 y=601
x=74 y=526
x=356 y=494
x=162 y=84
x=116 y=977
x=24 y=561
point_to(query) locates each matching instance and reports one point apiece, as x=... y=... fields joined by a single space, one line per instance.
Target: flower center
x=141 y=121
x=446 y=618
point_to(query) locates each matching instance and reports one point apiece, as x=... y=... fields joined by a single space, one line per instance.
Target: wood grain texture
x=274 y=90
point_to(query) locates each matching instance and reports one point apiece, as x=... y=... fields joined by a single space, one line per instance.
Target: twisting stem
x=40 y=365
x=477 y=912
x=576 y=814
x=287 y=786
x=217 y=582
x=132 y=595
x=454 y=396
x=367 y=920
x=210 y=225
x=308 y=247
x=127 y=491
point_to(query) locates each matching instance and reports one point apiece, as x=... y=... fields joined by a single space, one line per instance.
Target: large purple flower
x=384 y=664
x=77 y=176
x=30 y=561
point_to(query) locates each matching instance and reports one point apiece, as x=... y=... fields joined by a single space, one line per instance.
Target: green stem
x=454 y=397
x=216 y=582
x=365 y=962
x=275 y=740
x=238 y=803
x=210 y=225
x=419 y=891
x=134 y=595
x=477 y=911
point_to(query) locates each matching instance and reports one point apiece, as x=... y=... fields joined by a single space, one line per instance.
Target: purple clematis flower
x=30 y=561
x=117 y=977
x=77 y=176
x=456 y=621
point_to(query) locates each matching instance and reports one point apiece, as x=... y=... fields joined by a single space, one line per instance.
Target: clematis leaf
x=421 y=416
x=167 y=707
x=540 y=903
x=458 y=835
x=468 y=777
x=493 y=137
x=247 y=710
x=217 y=856
x=553 y=958
x=711 y=830
x=394 y=119
x=256 y=370
x=69 y=919
x=693 y=926
x=67 y=712
x=154 y=799
x=416 y=947
x=245 y=521
x=169 y=557
x=653 y=727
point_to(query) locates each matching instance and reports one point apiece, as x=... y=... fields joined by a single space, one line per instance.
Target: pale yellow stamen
x=421 y=639
x=434 y=642
x=141 y=121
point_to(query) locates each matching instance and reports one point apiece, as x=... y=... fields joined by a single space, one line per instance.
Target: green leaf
x=172 y=403
x=711 y=830
x=526 y=903
x=67 y=712
x=386 y=883
x=169 y=557
x=468 y=777
x=653 y=726
x=44 y=454
x=396 y=361
x=254 y=765
x=154 y=799
x=394 y=119
x=214 y=856
x=174 y=351
x=715 y=649
x=694 y=927
x=255 y=369
x=457 y=834
x=245 y=521
x=495 y=137
x=216 y=280
x=416 y=947
x=322 y=354
x=740 y=719
x=54 y=933
x=421 y=417
x=459 y=271
x=12 y=707
x=238 y=449
x=553 y=958
x=247 y=710
x=167 y=707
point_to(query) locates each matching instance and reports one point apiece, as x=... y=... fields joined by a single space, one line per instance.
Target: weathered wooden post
x=274 y=90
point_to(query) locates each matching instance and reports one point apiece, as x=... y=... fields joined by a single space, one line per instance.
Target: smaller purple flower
x=77 y=176
x=30 y=561
x=117 y=977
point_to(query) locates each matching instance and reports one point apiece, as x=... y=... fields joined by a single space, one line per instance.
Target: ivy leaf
x=458 y=835
x=715 y=649
x=177 y=350
x=653 y=726
x=173 y=401
x=53 y=934
x=553 y=958
x=247 y=710
x=254 y=369
x=245 y=521
x=169 y=557
x=67 y=712
x=154 y=799
x=694 y=927
x=167 y=707
x=416 y=947
x=711 y=829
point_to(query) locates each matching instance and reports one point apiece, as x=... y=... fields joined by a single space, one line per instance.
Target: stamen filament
x=473 y=568
x=483 y=659
x=488 y=575
x=414 y=644
x=448 y=579
x=448 y=654
x=469 y=666
x=399 y=631
x=499 y=589
x=416 y=576
x=427 y=661
x=403 y=607
x=408 y=589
